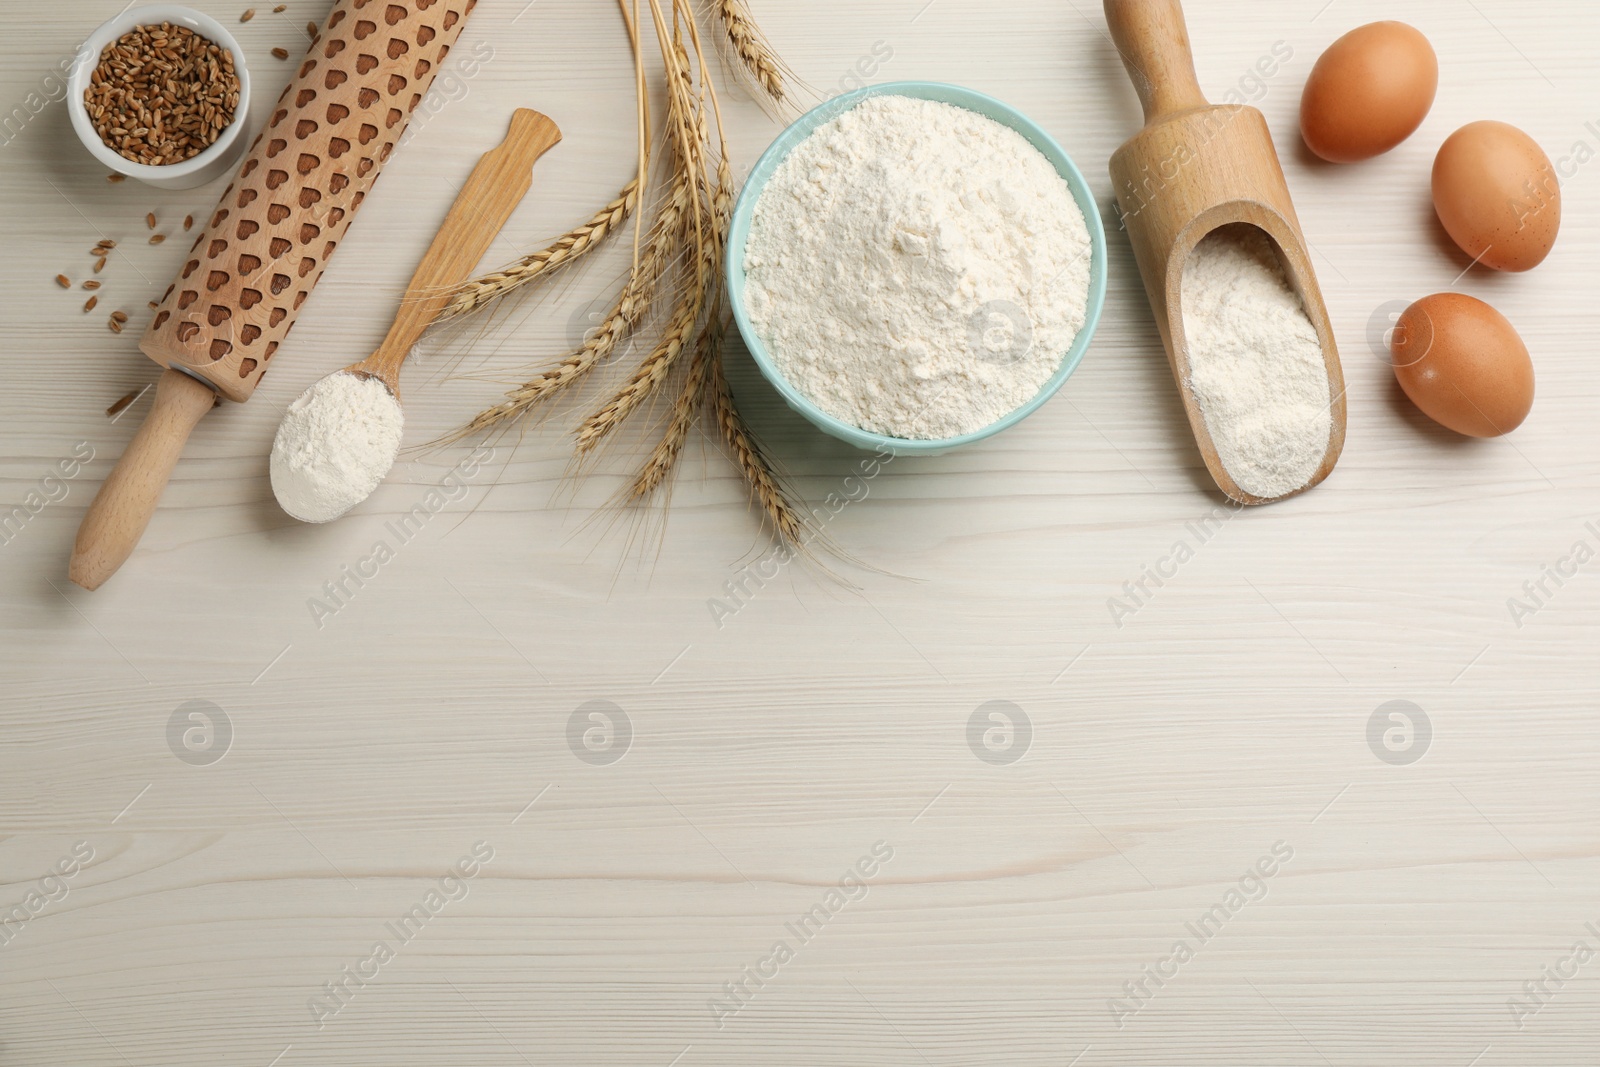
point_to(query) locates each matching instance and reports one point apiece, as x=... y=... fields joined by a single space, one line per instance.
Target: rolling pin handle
x=1154 y=43
x=122 y=509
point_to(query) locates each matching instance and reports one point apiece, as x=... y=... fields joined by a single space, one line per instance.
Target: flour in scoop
x=917 y=269
x=1255 y=363
x=337 y=441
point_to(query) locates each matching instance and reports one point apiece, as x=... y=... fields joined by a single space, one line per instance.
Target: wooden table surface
x=1195 y=831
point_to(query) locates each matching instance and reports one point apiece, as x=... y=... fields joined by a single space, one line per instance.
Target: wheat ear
x=630 y=308
x=686 y=118
x=567 y=249
x=708 y=348
x=750 y=45
x=787 y=522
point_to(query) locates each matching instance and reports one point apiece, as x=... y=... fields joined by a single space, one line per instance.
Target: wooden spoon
x=1193 y=168
x=497 y=184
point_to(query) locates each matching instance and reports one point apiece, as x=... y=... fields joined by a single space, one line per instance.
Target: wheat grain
x=161 y=94
x=122 y=404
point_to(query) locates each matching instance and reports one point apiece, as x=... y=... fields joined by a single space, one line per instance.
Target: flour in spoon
x=916 y=269
x=1255 y=363
x=335 y=444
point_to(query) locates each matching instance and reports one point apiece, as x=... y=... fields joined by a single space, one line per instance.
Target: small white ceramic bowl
x=215 y=161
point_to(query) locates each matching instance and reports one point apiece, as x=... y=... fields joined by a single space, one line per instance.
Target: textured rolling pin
x=216 y=328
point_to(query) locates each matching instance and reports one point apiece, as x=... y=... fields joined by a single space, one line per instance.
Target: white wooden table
x=1154 y=765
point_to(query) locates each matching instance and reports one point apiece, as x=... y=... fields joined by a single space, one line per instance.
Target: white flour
x=1255 y=363
x=337 y=441
x=916 y=269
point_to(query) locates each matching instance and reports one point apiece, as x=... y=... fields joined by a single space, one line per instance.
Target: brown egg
x=1462 y=363
x=1368 y=92
x=1497 y=195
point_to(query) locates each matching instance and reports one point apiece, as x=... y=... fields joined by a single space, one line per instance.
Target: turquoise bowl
x=950 y=94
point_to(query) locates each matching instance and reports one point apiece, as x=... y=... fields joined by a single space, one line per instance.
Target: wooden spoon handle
x=498 y=183
x=122 y=509
x=1154 y=42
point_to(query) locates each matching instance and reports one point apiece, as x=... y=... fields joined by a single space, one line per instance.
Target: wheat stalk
x=686 y=243
x=750 y=46
x=686 y=116
x=707 y=349
x=567 y=249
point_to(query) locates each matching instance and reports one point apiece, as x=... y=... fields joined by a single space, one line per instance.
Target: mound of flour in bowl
x=916 y=269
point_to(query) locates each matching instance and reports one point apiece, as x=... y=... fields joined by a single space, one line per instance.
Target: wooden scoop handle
x=497 y=184
x=1154 y=42
x=122 y=509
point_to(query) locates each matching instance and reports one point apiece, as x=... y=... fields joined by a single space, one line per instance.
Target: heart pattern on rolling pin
x=281 y=219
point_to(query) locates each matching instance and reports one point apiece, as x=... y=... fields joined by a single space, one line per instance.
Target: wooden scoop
x=1193 y=168
x=497 y=184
